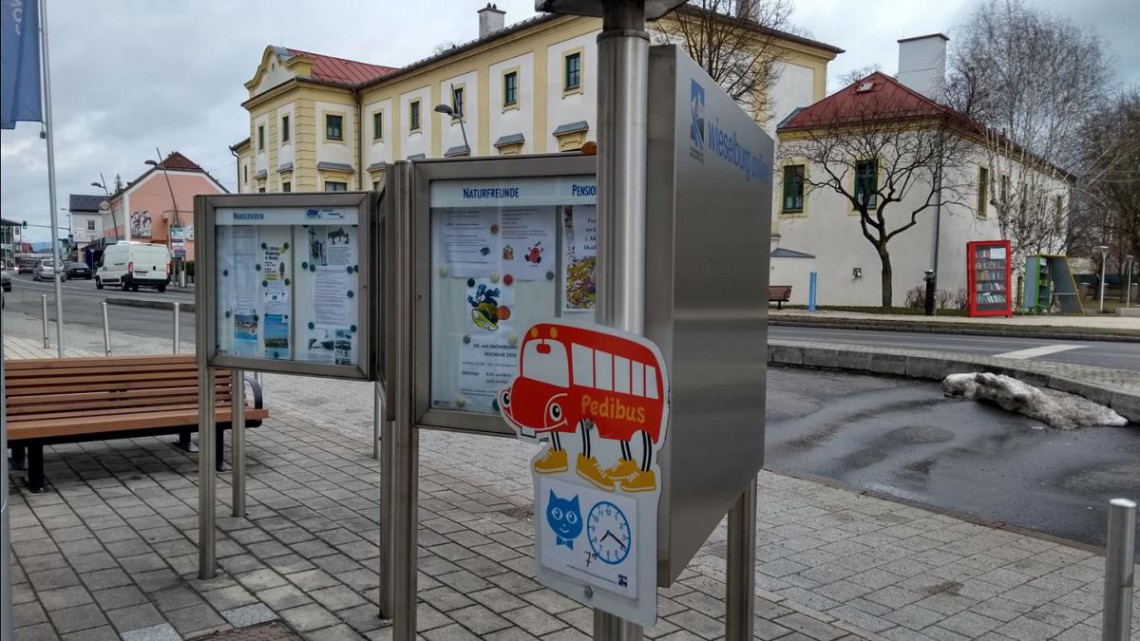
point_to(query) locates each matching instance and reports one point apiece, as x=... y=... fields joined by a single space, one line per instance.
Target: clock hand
x=611 y=535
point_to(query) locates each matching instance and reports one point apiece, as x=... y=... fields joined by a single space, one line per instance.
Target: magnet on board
x=494 y=277
x=356 y=268
x=443 y=271
x=225 y=272
x=494 y=229
x=466 y=339
x=461 y=402
x=311 y=325
x=286 y=282
x=304 y=264
x=265 y=283
x=351 y=293
x=549 y=275
x=470 y=282
x=348 y=269
x=513 y=338
x=353 y=328
x=264 y=246
x=227 y=313
x=285 y=247
x=257 y=267
x=313 y=267
x=508 y=279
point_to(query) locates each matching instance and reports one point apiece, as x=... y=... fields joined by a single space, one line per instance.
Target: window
x=414 y=115
x=867 y=182
x=511 y=89
x=91 y=223
x=284 y=129
x=794 y=188
x=1004 y=191
x=378 y=125
x=246 y=176
x=286 y=186
x=983 y=191
x=573 y=75
x=335 y=186
x=261 y=190
x=260 y=137
x=334 y=127
x=457 y=102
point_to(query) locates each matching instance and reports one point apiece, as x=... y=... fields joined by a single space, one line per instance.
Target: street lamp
x=102 y=184
x=447 y=110
x=158 y=164
x=1103 y=258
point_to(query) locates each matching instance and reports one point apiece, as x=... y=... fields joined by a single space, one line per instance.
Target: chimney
x=922 y=65
x=491 y=20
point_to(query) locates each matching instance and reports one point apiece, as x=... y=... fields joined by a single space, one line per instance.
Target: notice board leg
x=206 y=436
x=237 y=440
x=614 y=628
x=741 y=565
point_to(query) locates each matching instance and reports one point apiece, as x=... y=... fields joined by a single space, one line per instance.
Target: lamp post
x=180 y=270
x=449 y=111
x=1130 y=262
x=102 y=184
x=1103 y=259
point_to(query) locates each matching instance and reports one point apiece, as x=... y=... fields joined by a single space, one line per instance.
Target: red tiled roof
x=177 y=162
x=340 y=71
x=886 y=99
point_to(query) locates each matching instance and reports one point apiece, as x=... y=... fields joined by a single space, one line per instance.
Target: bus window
x=583 y=365
x=603 y=371
x=638 y=377
x=546 y=361
x=621 y=374
x=651 y=381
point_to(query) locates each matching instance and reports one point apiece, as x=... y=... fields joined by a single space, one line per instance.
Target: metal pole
x=741 y=565
x=50 y=137
x=237 y=439
x=1119 y=570
x=106 y=332
x=43 y=299
x=177 y=328
x=377 y=418
x=1103 y=267
x=623 y=103
x=206 y=480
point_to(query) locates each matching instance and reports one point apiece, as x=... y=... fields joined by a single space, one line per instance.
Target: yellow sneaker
x=589 y=469
x=554 y=462
x=622 y=470
x=640 y=482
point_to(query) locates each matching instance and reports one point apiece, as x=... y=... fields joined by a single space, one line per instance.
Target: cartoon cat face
x=564 y=516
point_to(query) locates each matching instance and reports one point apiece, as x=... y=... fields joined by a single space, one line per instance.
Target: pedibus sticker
x=599 y=400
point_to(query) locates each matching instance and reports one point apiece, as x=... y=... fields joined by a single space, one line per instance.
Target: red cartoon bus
x=577 y=377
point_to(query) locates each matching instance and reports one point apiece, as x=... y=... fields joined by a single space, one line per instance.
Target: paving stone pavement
x=110 y=553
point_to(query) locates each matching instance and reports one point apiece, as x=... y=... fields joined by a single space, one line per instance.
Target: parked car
x=46 y=271
x=5 y=281
x=131 y=265
x=77 y=270
x=26 y=264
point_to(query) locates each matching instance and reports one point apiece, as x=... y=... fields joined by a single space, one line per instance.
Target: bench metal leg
x=220 y=450
x=35 y=481
x=185 y=443
x=19 y=457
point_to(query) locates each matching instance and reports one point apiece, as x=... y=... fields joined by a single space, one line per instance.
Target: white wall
x=451 y=133
x=519 y=120
x=795 y=88
x=412 y=143
x=378 y=150
x=561 y=109
x=333 y=151
x=79 y=227
x=245 y=178
x=276 y=74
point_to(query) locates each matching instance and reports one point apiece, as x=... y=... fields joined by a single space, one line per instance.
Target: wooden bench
x=69 y=400
x=779 y=294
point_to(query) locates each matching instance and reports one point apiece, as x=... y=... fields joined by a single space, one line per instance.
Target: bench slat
x=78 y=414
x=117 y=369
x=119 y=405
x=27 y=430
x=31 y=399
x=107 y=378
x=88 y=361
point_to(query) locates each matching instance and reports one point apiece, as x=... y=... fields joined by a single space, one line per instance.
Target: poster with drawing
x=579 y=257
x=140 y=224
x=528 y=243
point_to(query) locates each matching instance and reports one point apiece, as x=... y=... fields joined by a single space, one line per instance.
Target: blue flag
x=20 y=99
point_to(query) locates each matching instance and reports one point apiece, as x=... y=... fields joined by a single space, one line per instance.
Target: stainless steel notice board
x=286 y=282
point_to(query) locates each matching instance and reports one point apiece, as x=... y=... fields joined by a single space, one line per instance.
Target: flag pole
x=50 y=135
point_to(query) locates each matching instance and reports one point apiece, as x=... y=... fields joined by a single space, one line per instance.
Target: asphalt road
x=904 y=439
x=1115 y=354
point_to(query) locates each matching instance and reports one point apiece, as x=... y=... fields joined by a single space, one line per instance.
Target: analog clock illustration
x=607 y=529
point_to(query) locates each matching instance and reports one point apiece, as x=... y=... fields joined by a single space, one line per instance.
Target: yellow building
x=319 y=123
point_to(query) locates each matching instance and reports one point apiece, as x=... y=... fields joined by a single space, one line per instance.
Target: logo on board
x=697 y=124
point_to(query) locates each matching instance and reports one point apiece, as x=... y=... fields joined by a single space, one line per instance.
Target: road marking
x=1034 y=352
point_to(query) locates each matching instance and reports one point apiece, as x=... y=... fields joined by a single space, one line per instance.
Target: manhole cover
x=275 y=631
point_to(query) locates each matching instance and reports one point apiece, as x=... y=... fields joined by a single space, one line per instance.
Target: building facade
x=820 y=230
x=148 y=207
x=319 y=123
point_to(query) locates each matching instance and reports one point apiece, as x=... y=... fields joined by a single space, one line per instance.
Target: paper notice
x=579 y=258
x=334 y=345
x=277 y=336
x=330 y=297
x=486 y=367
x=332 y=245
x=244 y=272
x=245 y=335
x=490 y=305
x=469 y=241
x=528 y=242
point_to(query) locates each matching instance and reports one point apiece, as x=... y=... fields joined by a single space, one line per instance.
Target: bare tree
x=856 y=75
x=1032 y=80
x=891 y=163
x=735 y=42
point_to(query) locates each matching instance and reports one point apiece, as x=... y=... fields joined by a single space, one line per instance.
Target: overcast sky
x=129 y=76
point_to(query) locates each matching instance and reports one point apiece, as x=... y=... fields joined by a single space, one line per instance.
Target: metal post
x=49 y=135
x=106 y=332
x=741 y=565
x=237 y=438
x=177 y=328
x=206 y=480
x=43 y=299
x=1103 y=267
x=377 y=419
x=1119 y=570
x=813 y=285
x=623 y=108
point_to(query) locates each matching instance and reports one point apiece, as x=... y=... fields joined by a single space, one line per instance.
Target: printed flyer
x=469 y=241
x=245 y=335
x=528 y=243
x=579 y=257
x=277 y=336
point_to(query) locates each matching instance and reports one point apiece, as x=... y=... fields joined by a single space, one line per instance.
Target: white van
x=131 y=265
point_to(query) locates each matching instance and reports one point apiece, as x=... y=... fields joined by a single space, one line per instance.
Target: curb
x=150 y=304
x=936 y=367
x=979 y=329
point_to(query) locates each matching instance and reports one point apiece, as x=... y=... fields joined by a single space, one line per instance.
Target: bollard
x=813 y=287
x=928 y=303
x=43 y=298
x=106 y=332
x=1119 y=570
x=177 y=328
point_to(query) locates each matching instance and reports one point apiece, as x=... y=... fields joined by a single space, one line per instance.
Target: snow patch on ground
x=1058 y=409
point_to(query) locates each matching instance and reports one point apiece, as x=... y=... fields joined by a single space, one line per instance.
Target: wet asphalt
x=903 y=439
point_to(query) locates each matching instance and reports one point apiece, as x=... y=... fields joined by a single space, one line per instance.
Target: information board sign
x=508 y=245
x=287 y=280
